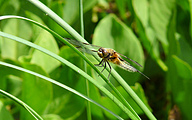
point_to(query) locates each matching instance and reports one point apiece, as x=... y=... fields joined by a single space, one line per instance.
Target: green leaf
x=112 y=33
x=4 y=113
x=9 y=7
x=65 y=104
x=181 y=86
x=111 y=106
x=185 y=50
x=29 y=109
x=184 y=4
x=14 y=85
x=88 y=4
x=121 y=5
x=138 y=90
x=68 y=76
x=52 y=117
x=95 y=95
x=57 y=6
x=146 y=31
x=75 y=69
x=69 y=13
x=5 y=73
x=11 y=49
x=160 y=14
x=141 y=9
x=35 y=90
x=184 y=70
x=46 y=40
x=190 y=4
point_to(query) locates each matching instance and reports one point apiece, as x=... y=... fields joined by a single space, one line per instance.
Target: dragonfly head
x=103 y=53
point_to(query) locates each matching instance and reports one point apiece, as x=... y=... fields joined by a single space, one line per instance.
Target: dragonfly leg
x=109 y=68
x=104 y=67
x=102 y=62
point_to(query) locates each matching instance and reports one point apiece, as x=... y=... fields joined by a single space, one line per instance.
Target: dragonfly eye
x=103 y=53
x=100 y=53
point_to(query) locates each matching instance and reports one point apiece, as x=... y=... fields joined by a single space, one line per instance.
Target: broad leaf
x=35 y=90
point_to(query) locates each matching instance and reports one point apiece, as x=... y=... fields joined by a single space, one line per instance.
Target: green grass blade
x=54 y=82
x=71 y=31
x=31 y=111
x=85 y=64
x=84 y=57
x=103 y=89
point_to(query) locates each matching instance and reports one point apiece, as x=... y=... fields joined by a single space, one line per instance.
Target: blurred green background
x=155 y=33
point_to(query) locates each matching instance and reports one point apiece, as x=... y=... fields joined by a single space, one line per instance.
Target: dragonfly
x=107 y=55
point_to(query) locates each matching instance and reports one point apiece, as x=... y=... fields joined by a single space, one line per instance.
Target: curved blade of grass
x=54 y=82
x=84 y=57
x=73 y=33
x=84 y=62
x=78 y=37
x=103 y=89
x=28 y=108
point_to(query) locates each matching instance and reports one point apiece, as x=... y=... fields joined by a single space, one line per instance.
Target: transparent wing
x=80 y=46
x=126 y=66
x=85 y=50
x=131 y=60
x=74 y=42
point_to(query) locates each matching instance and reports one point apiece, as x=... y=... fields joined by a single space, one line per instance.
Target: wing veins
x=80 y=46
x=135 y=69
x=130 y=60
x=78 y=43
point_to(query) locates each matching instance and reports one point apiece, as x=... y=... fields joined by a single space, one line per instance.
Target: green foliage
x=4 y=114
x=156 y=33
x=111 y=33
x=32 y=88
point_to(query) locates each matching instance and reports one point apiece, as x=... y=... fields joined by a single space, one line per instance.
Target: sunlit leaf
x=35 y=90
x=160 y=14
x=11 y=49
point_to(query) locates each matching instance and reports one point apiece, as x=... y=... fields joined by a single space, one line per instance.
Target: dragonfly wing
x=74 y=42
x=85 y=50
x=80 y=46
x=126 y=66
x=131 y=60
x=78 y=43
